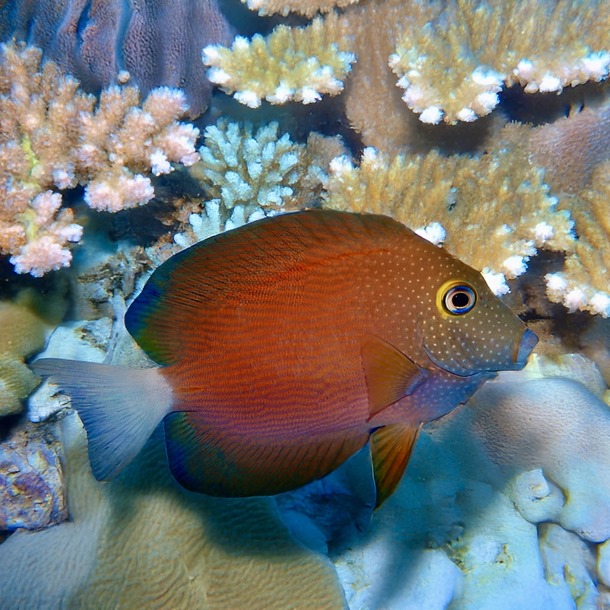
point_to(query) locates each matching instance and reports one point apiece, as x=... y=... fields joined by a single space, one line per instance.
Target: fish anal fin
x=230 y=465
x=390 y=375
x=391 y=448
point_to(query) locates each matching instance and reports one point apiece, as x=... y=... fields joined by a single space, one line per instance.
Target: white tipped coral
x=496 y=210
x=240 y=166
x=453 y=67
x=291 y=64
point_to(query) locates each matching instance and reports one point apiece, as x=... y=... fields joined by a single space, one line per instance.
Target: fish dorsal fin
x=391 y=448
x=232 y=465
x=390 y=375
x=232 y=266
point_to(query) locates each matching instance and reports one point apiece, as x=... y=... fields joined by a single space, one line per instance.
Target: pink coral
x=54 y=137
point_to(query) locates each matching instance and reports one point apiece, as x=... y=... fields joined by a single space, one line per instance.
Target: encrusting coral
x=54 y=137
x=22 y=334
x=291 y=64
x=492 y=212
x=453 y=68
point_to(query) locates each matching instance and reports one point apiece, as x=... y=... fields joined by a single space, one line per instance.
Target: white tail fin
x=119 y=407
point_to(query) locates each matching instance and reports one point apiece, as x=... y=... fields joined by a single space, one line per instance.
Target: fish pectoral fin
x=229 y=464
x=390 y=375
x=391 y=448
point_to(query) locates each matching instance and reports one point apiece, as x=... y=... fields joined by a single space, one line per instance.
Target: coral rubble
x=32 y=490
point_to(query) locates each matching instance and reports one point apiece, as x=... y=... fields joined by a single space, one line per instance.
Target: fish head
x=471 y=331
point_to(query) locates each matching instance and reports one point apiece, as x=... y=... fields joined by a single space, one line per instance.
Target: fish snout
x=529 y=339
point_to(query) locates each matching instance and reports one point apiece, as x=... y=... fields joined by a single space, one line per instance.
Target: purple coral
x=146 y=42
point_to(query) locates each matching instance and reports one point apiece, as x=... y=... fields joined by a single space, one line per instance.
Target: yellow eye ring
x=456 y=298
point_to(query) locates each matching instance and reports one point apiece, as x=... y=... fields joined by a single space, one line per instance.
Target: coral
x=453 y=534
x=584 y=283
x=259 y=170
x=23 y=334
x=452 y=69
x=373 y=102
x=299 y=64
x=570 y=148
x=492 y=212
x=192 y=551
x=147 y=43
x=560 y=427
x=54 y=137
x=32 y=494
x=304 y=7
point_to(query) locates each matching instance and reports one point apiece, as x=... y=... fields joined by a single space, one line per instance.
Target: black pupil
x=460 y=299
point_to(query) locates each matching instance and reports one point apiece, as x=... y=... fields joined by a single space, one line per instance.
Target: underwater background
x=130 y=130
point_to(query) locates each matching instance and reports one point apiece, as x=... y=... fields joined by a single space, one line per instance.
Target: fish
x=286 y=345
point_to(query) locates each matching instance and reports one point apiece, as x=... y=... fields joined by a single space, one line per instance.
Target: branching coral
x=54 y=137
x=492 y=212
x=258 y=169
x=305 y=7
x=585 y=281
x=452 y=69
x=299 y=64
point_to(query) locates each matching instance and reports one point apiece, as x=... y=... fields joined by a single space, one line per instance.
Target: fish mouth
x=528 y=342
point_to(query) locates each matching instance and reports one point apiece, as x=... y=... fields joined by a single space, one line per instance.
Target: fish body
x=285 y=344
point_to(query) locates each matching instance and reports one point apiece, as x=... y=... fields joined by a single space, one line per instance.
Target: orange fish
x=285 y=345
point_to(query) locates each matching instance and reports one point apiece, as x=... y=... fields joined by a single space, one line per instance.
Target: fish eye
x=457 y=298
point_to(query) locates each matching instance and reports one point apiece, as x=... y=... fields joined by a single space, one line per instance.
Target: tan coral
x=291 y=64
x=453 y=68
x=570 y=148
x=54 y=137
x=304 y=7
x=585 y=281
x=142 y=542
x=492 y=212
x=23 y=334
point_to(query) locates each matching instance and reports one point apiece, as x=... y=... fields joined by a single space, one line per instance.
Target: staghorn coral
x=308 y=7
x=585 y=281
x=148 y=43
x=54 y=137
x=291 y=64
x=257 y=170
x=492 y=212
x=453 y=68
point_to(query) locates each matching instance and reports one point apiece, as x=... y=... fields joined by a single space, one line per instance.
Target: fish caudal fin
x=119 y=407
x=391 y=448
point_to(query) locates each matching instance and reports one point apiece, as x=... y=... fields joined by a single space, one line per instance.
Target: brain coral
x=148 y=42
x=143 y=542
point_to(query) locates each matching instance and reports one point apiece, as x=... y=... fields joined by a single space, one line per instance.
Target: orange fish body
x=286 y=343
